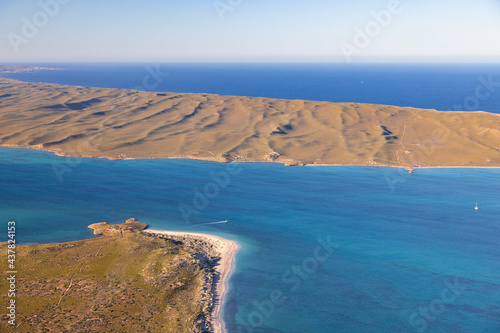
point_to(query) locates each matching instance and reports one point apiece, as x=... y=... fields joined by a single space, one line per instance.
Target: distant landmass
x=119 y=123
x=23 y=69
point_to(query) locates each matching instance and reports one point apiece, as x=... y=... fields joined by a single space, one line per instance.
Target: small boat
x=477 y=208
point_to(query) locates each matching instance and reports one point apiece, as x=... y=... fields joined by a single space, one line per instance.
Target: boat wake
x=218 y=222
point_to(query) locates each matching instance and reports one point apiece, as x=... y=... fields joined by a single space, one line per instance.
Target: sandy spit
x=227 y=250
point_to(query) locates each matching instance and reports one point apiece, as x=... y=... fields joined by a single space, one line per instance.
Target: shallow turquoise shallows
x=324 y=249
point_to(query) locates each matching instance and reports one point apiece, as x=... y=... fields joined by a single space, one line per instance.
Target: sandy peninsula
x=120 y=123
x=227 y=250
x=124 y=280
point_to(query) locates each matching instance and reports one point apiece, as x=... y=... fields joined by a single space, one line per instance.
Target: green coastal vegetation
x=122 y=281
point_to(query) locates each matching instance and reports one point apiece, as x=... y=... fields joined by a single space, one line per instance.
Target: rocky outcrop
x=103 y=228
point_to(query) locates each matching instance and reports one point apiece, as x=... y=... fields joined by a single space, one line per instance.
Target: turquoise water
x=324 y=249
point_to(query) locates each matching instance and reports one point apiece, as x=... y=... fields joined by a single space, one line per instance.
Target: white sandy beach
x=227 y=250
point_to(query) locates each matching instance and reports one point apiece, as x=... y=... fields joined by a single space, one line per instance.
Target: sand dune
x=118 y=123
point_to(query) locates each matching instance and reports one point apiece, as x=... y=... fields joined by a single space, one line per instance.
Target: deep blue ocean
x=324 y=249
x=445 y=87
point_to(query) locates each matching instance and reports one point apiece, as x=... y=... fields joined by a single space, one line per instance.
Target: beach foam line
x=227 y=250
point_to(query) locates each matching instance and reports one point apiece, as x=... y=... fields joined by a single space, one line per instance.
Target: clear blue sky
x=253 y=30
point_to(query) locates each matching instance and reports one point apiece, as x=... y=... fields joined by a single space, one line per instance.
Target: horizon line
x=246 y=62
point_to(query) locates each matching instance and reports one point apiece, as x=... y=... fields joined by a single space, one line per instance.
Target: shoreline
x=58 y=152
x=227 y=250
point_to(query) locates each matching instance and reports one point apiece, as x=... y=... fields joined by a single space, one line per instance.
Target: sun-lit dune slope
x=117 y=123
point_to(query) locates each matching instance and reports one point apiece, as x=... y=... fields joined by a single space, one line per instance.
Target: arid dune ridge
x=120 y=123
